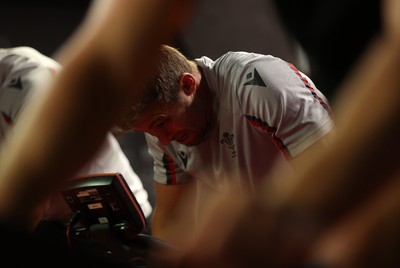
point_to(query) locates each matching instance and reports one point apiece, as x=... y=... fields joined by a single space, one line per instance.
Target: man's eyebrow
x=157 y=119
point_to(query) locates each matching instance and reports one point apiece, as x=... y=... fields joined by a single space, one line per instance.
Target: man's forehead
x=151 y=113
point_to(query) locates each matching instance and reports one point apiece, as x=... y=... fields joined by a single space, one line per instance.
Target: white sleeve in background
x=110 y=159
x=25 y=72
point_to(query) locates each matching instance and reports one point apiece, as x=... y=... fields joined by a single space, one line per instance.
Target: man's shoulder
x=26 y=56
x=244 y=56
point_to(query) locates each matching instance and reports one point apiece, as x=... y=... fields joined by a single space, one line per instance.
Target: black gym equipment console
x=105 y=211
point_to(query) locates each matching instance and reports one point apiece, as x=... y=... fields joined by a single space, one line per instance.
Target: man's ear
x=188 y=83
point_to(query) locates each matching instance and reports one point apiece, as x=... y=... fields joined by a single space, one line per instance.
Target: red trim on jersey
x=170 y=170
x=7 y=118
x=53 y=71
x=312 y=90
x=257 y=122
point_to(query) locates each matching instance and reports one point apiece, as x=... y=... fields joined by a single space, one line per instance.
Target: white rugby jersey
x=24 y=71
x=267 y=112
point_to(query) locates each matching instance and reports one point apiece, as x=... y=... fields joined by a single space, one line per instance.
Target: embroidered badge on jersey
x=228 y=139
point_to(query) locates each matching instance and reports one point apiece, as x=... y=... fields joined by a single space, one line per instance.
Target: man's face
x=184 y=121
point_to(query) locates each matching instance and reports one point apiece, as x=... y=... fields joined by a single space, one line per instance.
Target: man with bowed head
x=231 y=122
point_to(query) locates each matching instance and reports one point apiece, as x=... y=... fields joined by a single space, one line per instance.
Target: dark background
x=215 y=28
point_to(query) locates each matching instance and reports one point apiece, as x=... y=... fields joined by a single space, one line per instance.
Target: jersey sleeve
x=23 y=73
x=284 y=103
x=166 y=170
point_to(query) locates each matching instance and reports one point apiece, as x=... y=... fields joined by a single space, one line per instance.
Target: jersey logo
x=183 y=156
x=229 y=141
x=256 y=79
x=16 y=83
